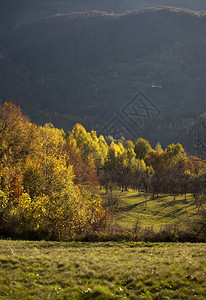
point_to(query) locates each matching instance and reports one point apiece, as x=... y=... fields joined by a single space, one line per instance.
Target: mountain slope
x=85 y=67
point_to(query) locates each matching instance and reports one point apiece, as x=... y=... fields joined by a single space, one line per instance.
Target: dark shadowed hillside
x=85 y=67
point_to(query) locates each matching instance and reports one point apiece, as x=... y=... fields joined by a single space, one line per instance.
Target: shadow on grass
x=131 y=207
x=177 y=212
x=137 y=195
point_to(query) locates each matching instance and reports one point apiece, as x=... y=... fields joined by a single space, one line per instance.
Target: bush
x=111 y=202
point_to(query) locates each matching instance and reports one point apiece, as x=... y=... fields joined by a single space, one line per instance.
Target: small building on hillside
x=156 y=84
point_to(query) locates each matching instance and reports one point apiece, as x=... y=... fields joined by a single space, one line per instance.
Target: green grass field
x=55 y=270
x=157 y=212
x=110 y=270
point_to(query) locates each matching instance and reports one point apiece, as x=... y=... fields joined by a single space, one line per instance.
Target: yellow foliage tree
x=37 y=180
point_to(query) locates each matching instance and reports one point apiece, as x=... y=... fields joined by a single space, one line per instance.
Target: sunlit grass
x=110 y=270
x=52 y=270
x=157 y=212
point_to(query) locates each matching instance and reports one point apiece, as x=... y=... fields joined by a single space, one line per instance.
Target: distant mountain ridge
x=86 y=66
x=117 y=6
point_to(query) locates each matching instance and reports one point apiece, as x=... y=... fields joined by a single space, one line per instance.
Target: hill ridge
x=89 y=67
x=95 y=13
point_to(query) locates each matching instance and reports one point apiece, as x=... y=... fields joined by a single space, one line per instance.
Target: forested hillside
x=50 y=181
x=85 y=67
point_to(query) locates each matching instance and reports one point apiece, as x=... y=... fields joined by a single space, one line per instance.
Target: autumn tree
x=14 y=147
x=85 y=171
x=141 y=148
x=108 y=177
x=88 y=143
x=48 y=202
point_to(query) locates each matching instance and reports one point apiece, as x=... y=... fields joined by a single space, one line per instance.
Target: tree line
x=124 y=164
x=51 y=181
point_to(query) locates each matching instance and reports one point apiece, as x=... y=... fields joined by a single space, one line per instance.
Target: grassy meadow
x=110 y=270
x=165 y=209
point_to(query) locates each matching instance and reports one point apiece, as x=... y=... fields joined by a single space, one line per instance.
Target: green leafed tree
x=141 y=148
